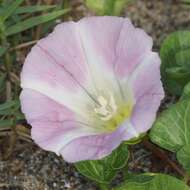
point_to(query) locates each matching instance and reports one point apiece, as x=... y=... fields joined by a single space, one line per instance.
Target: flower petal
x=148 y=92
x=53 y=136
x=87 y=51
x=99 y=45
x=77 y=69
x=41 y=73
x=64 y=45
x=99 y=36
x=92 y=147
x=53 y=126
x=38 y=107
x=133 y=44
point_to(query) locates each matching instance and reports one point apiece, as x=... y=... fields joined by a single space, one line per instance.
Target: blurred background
x=23 y=165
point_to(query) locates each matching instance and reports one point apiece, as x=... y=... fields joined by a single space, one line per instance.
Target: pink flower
x=90 y=85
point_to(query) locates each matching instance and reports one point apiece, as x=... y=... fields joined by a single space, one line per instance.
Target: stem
x=161 y=154
x=104 y=187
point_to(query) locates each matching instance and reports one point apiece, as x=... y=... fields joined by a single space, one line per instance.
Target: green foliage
x=136 y=140
x=6 y=123
x=34 y=21
x=152 y=182
x=186 y=2
x=186 y=92
x=10 y=113
x=175 y=55
x=33 y=9
x=183 y=156
x=2 y=50
x=107 y=7
x=172 y=131
x=15 y=23
x=8 y=105
x=103 y=171
x=10 y=10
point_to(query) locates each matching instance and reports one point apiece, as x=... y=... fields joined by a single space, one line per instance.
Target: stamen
x=112 y=114
x=106 y=109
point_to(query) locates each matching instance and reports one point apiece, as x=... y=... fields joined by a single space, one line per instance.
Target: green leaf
x=179 y=74
x=186 y=92
x=107 y=7
x=153 y=182
x=103 y=171
x=8 y=104
x=136 y=140
x=183 y=155
x=96 y=6
x=10 y=10
x=6 y=123
x=120 y=5
x=34 y=21
x=172 y=130
x=186 y=2
x=9 y=108
x=33 y=9
x=175 y=67
x=18 y=115
x=2 y=50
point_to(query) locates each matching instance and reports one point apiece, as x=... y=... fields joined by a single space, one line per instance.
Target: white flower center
x=106 y=108
x=110 y=112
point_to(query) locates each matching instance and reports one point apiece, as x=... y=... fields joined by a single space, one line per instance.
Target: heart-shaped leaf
x=103 y=171
x=172 y=131
x=153 y=182
x=175 y=55
x=186 y=92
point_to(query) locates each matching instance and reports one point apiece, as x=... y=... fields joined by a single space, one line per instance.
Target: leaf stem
x=161 y=154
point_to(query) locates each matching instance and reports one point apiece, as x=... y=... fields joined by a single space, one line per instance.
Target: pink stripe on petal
x=146 y=78
x=132 y=46
x=144 y=113
x=99 y=36
x=92 y=147
x=64 y=45
x=40 y=66
x=148 y=92
x=53 y=125
x=38 y=107
x=41 y=73
x=53 y=136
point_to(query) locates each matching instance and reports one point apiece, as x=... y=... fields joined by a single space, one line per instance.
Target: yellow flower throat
x=112 y=115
